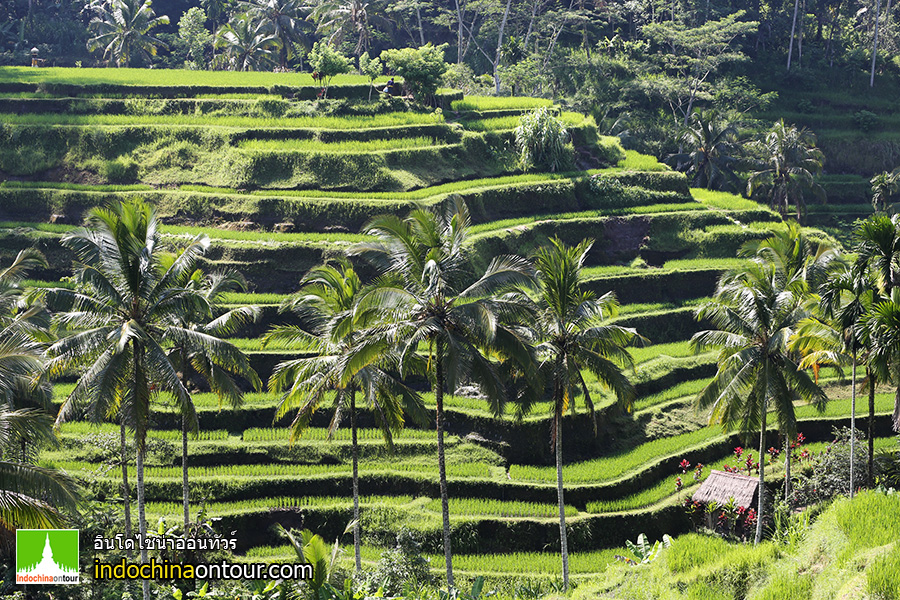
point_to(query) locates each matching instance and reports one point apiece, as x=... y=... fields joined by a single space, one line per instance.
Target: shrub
x=542 y=142
x=403 y=564
x=121 y=170
x=865 y=120
x=422 y=69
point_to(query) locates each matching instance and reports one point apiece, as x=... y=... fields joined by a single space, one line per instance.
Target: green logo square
x=47 y=556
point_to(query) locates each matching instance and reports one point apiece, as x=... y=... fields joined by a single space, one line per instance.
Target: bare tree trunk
x=800 y=36
x=563 y=539
x=793 y=29
x=459 y=33
x=442 y=470
x=853 y=422
x=762 y=476
x=875 y=43
x=355 y=450
x=499 y=48
x=534 y=11
x=421 y=29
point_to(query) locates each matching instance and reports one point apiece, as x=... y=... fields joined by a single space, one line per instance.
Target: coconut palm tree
x=30 y=496
x=884 y=186
x=326 y=302
x=120 y=316
x=575 y=339
x=421 y=300
x=340 y=20
x=192 y=360
x=712 y=152
x=122 y=29
x=883 y=325
x=836 y=336
x=282 y=19
x=246 y=44
x=785 y=171
x=755 y=311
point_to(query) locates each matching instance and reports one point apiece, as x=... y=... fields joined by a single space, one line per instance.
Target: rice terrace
x=435 y=300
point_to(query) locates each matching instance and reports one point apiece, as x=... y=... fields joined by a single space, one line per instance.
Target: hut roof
x=721 y=487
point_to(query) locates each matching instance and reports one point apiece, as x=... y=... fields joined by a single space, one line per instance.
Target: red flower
x=738 y=451
x=685 y=465
x=678 y=484
x=800 y=438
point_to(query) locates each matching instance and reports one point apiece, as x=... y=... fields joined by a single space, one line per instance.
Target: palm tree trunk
x=787 y=469
x=185 y=493
x=126 y=490
x=762 y=476
x=142 y=518
x=852 y=422
x=140 y=437
x=442 y=470
x=875 y=43
x=459 y=33
x=563 y=540
x=421 y=29
x=870 y=475
x=355 y=451
x=793 y=29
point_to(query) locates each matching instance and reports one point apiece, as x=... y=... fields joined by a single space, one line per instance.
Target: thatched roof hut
x=721 y=487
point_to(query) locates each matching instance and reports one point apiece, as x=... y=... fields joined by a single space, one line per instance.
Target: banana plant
x=643 y=552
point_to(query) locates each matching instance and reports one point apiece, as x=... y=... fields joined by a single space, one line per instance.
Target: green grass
x=219 y=509
x=612 y=467
x=498 y=103
x=635 y=161
x=723 y=200
x=685 y=389
x=511 y=122
x=81 y=429
x=233 y=298
x=674 y=349
x=688 y=264
x=166 y=77
x=55 y=185
x=525 y=563
x=468 y=507
x=321 y=122
x=260 y=236
x=883 y=575
x=345 y=147
x=316 y=434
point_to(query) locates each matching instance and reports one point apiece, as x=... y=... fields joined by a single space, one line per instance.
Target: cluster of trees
x=141 y=325
x=779 y=166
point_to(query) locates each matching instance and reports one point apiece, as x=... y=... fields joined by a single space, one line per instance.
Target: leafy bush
x=403 y=564
x=121 y=170
x=865 y=120
x=422 y=69
x=543 y=142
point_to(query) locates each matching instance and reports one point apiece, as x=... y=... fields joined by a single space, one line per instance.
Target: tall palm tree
x=836 y=335
x=122 y=29
x=30 y=496
x=326 y=301
x=247 y=44
x=282 y=19
x=883 y=325
x=712 y=152
x=788 y=162
x=340 y=20
x=884 y=186
x=755 y=311
x=193 y=360
x=422 y=300
x=120 y=316
x=575 y=339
